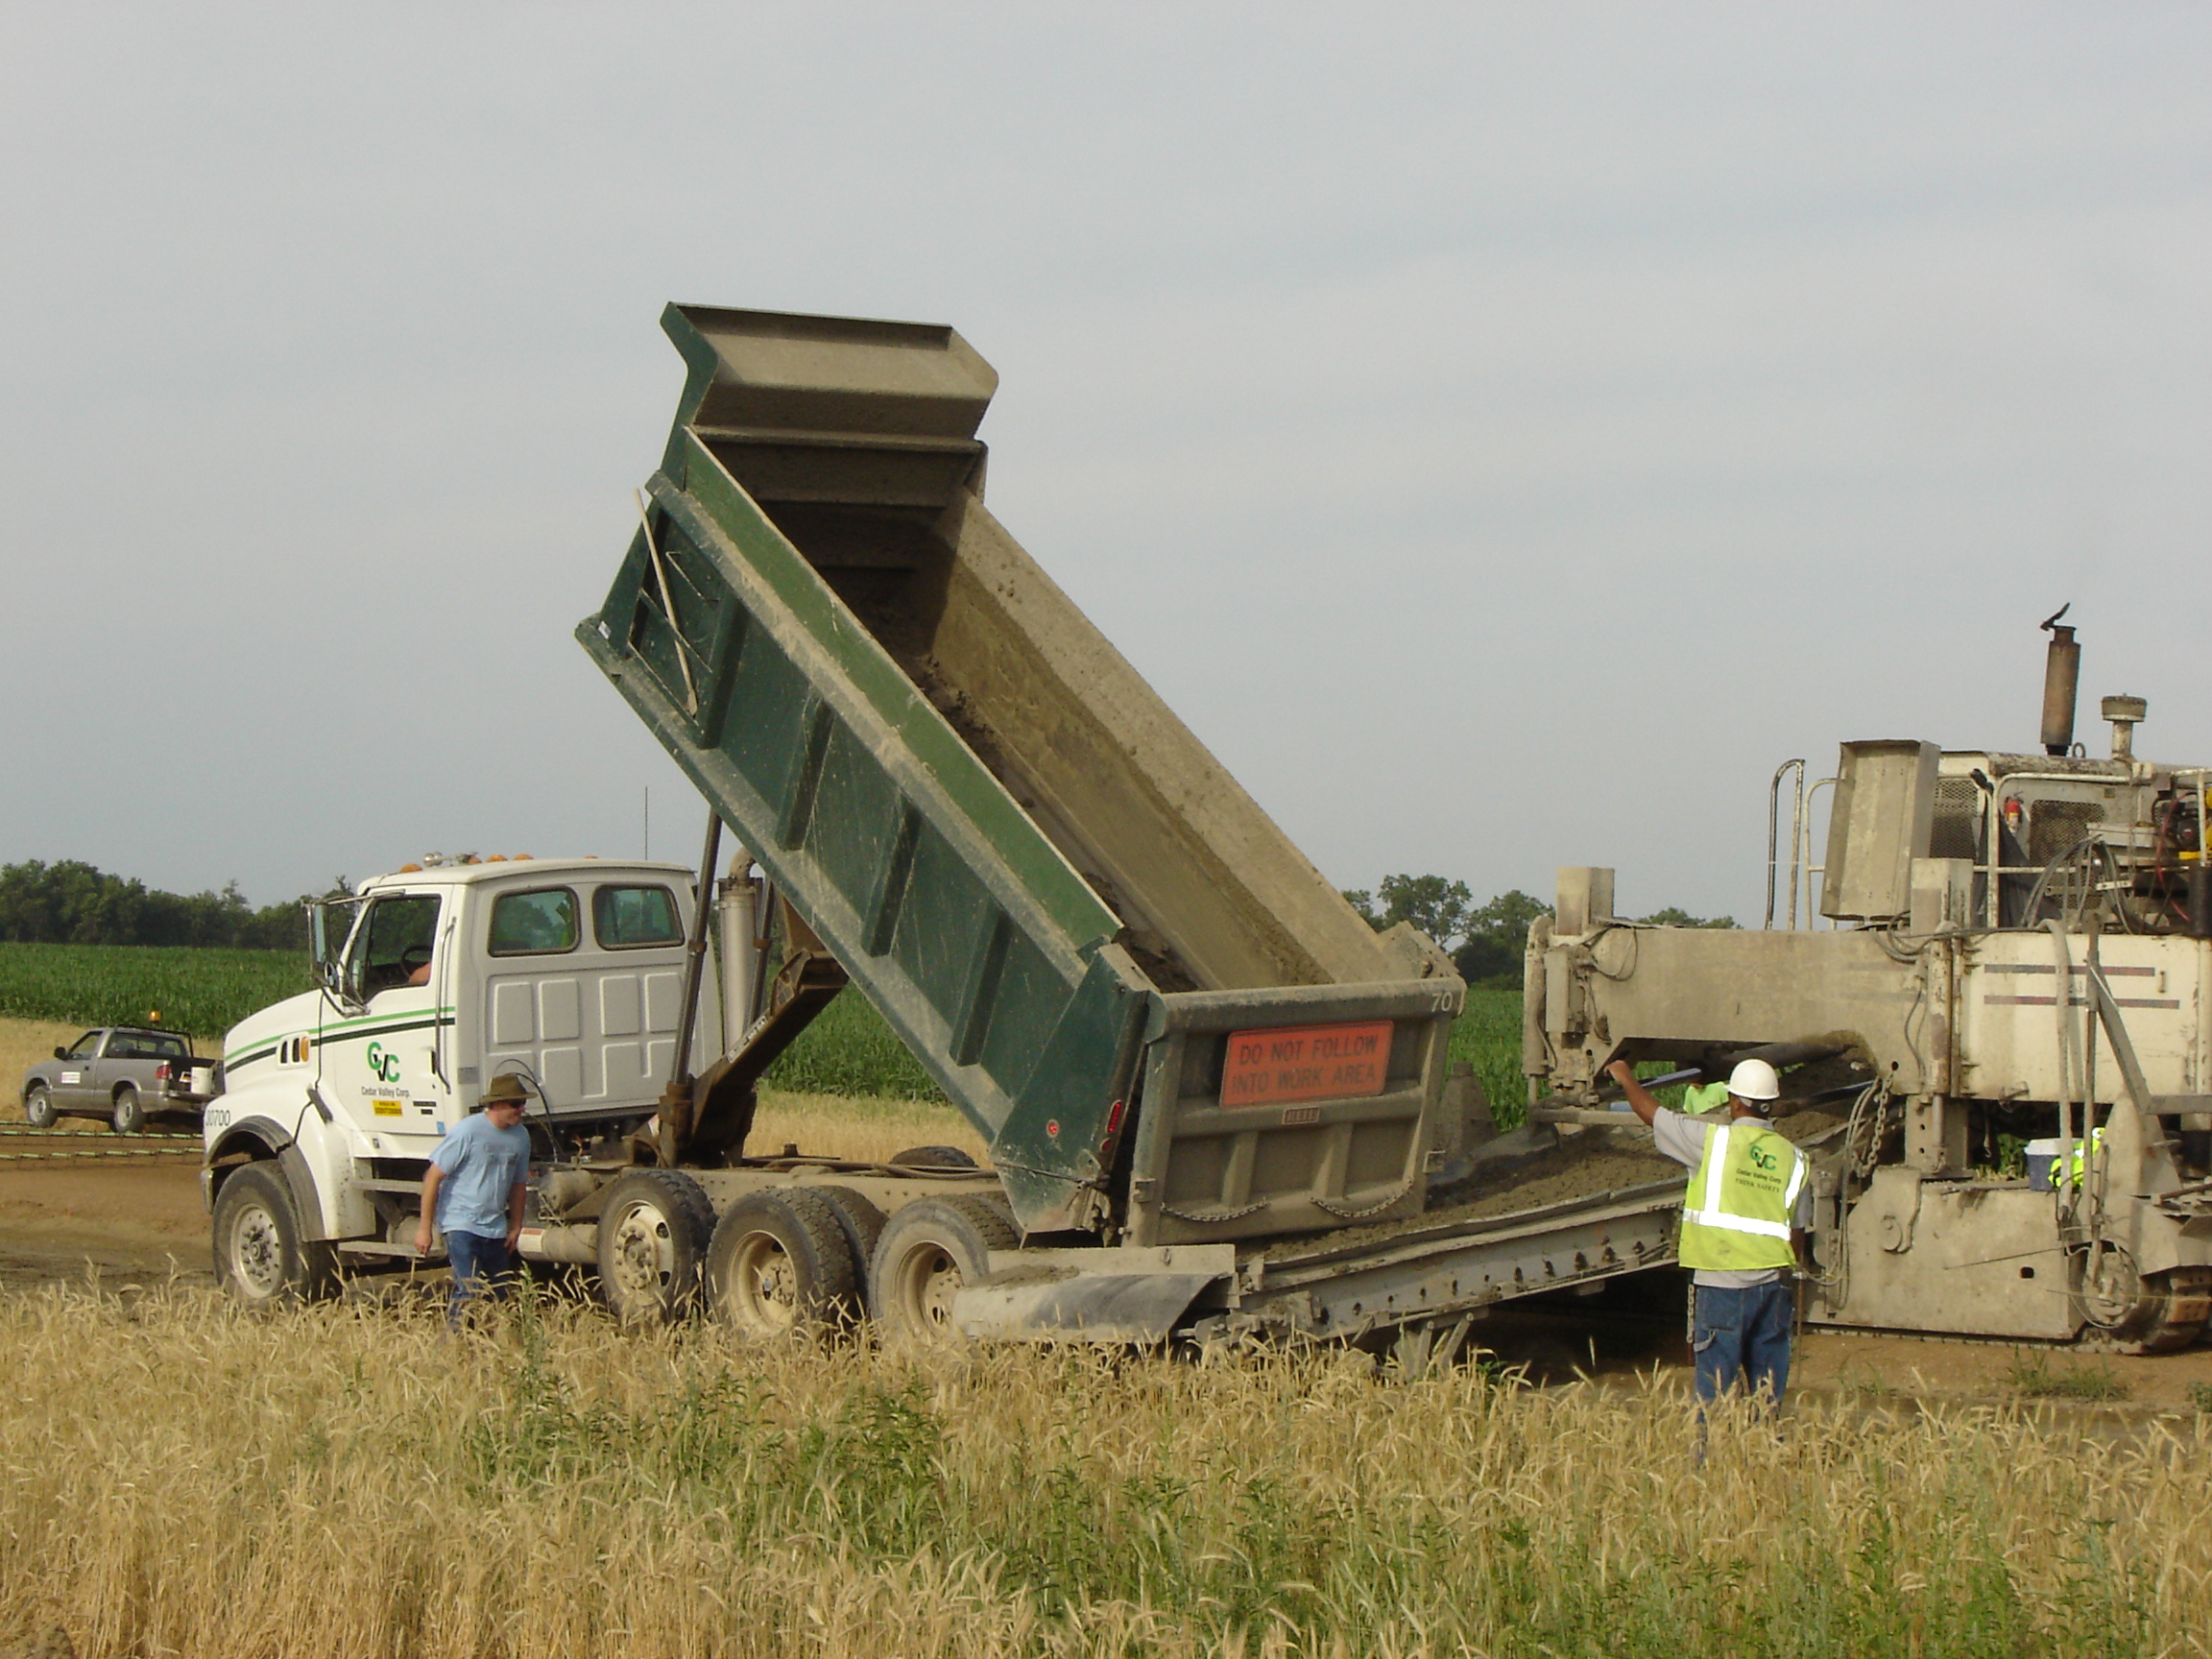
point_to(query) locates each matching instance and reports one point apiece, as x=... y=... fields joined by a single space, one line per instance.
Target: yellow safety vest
x=1737 y=1212
x=2069 y=1172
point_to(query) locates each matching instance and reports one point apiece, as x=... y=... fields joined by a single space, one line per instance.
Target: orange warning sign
x=1305 y=1063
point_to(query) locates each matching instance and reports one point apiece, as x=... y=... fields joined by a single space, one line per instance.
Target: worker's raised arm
x=1641 y=1099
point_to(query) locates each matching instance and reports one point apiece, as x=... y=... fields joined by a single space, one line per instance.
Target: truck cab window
x=392 y=942
x=85 y=1046
x=534 y=924
x=631 y=918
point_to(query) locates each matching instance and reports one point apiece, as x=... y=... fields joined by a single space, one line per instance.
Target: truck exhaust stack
x=2061 y=683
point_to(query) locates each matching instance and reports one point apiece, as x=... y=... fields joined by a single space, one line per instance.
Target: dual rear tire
x=652 y=1233
x=808 y=1261
x=927 y=1252
x=792 y=1261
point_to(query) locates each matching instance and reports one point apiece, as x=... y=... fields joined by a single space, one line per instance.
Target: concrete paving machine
x=2002 y=1003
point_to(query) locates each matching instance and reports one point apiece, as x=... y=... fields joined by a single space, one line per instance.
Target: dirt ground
x=137 y=1220
x=1638 y=1324
x=134 y=1222
x=71 y=1223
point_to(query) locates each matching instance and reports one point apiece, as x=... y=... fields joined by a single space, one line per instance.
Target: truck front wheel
x=653 y=1232
x=260 y=1259
x=780 y=1263
x=929 y=1250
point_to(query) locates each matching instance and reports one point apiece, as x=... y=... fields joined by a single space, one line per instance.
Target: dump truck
x=1216 y=1101
x=1998 y=992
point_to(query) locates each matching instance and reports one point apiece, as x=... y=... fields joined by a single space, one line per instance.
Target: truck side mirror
x=60 y=1052
x=328 y=923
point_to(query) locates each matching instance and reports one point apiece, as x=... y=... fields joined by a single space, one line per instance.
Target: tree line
x=71 y=903
x=1485 y=940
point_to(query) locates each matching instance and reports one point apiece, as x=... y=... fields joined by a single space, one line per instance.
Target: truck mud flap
x=1130 y=1294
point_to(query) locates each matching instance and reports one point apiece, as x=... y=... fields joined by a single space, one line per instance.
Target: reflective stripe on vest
x=1754 y=1236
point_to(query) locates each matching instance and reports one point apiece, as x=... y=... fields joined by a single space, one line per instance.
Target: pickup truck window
x=630 y=918
x=392 y=941
x=85 y=1046
x=539 y=923
x=146 y=1045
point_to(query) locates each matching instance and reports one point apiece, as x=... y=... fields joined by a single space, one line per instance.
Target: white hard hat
x=1754 y=1080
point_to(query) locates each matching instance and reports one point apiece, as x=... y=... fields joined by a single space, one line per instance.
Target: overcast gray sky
x=1502 y=432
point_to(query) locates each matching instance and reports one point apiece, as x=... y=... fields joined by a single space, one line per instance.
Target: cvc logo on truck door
x=383 y=1064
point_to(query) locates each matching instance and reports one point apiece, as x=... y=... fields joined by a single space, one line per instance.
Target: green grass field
x=1487 y=1036
x=200 y=993
x=848 y=1050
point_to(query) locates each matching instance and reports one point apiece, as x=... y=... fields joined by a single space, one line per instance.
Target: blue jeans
x=479 y=1270
x=1743 y=1333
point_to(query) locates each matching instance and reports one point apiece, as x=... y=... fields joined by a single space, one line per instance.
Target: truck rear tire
x=932 y=1158
x=260 y=1259
x=130 y=1114
x=781 y=1262
x=929 y=1250
x=654 y=1228
x=863 y=1225
x=39 y=1107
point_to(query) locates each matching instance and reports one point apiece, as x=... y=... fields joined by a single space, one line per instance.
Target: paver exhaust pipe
x=2062 y=679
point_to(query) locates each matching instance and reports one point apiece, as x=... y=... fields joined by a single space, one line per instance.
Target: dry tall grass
x=858 y=1126
x=23 y=1042
x=175 y=1478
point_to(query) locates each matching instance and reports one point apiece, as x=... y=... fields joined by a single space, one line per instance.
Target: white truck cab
x=432 y=981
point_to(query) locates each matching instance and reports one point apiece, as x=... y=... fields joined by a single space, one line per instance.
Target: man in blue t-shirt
x=475 y=1187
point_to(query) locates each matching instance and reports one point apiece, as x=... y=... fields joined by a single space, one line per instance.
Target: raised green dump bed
x=1052 y=890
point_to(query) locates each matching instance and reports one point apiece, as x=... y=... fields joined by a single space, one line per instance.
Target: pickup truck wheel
x=929 y=1250
x=654 y=1229
x=780 y=1263
x=260 y=1259
x=39 y=1107
x=130 y=1114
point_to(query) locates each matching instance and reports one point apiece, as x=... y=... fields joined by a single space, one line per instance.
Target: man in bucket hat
x=474 y=1187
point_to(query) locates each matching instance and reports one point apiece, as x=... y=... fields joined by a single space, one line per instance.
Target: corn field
x=848 y=1050
x=201 y=992
x=1487 y=1037
x=351 y=1481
